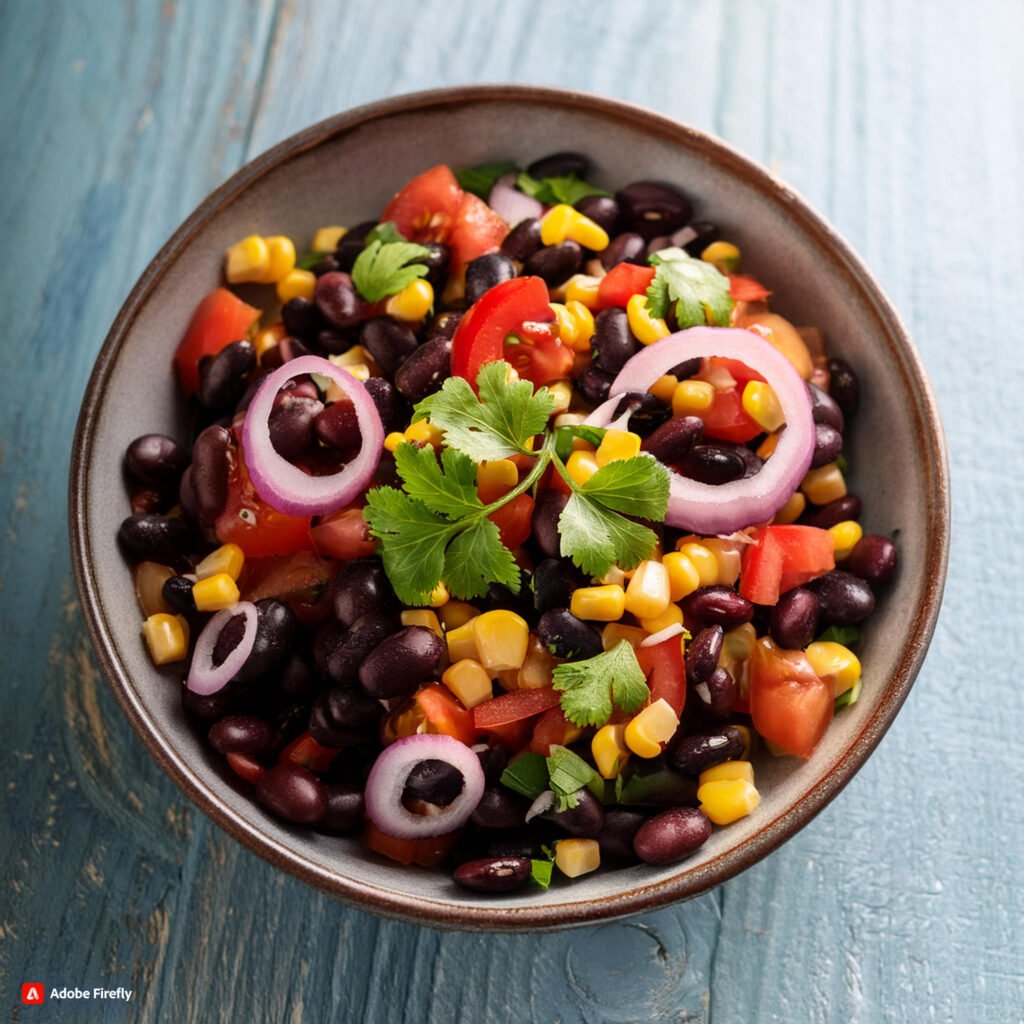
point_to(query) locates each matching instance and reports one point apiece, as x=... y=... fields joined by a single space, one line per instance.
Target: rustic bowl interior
x=342 y=172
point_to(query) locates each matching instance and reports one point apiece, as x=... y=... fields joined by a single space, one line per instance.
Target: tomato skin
x=782 y=558
x=427 y=853
x=477 y=230
x=513 y=736
x=446 y=715
x=666 y=675
x=746 y=289
x=426 y=208
x=621 y=283
x=514 y=521
x=307 y=753
x=343 y=534
x=245 y=766
x=789 y=704
x=512 y=707
x=553 y=728
x=221 y=318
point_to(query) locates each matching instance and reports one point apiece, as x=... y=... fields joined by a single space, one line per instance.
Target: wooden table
x=903 y=123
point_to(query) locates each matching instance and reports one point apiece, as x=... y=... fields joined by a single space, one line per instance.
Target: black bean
x=187 y=496
x=483 y=273
x=553 y=583
x=559 y=165
x=346 y=809
x=401 y=663
x=154 y=538
x=437 y=261
x=546 y=511
x=329 y=639
x=693 y=754
x=289 y=722
x=361 y=586
x=873 y=558
x=337 y=427
x=499 y=808
x=594 y=384
x=346 y=657
x=717 y=606
x=647 y=412
x=613 y=344
x=242 y=734
x=301 y=318
x=157 y=460
x=523 y=240
x=843 y=386
x=210 y=467
x=566 y=636
x=672 y=835
x=275 y=630
x=499 y=596
x=659 y=787
x=828 y=443
x=795 y=617
x=656 y=245
x=555 y=263
x=494 y=874
x=674 y=439
x=493 y=761
x=209 y=708
x=444 y=325
x=293 y=426
x=177 y=593
x=712 y=464
x=651 y=209
x=838 y=511
x=616 y=837
x=327 y=265
x=706 y=234
x=332 y=342
x=435 y=782
x=715 y=696
x=352 y=244
x=344 y=717
x=629 y=247
x=602 y=210
x=337 y=299
x=824 y=408
x=293 y=793
x=389 y=342
x=297 y=680
x=702 y=653
x=585 y=819
x=845 y=599
x=222 y=380
x=425 y=370
x=390 y=406
x=752 y=462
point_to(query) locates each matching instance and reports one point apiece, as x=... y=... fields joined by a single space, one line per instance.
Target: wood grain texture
x=903 y=124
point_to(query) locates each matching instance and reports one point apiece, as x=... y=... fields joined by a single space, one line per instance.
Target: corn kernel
x=728 y=800
x=413 y=302
x=469 y=681
x=582 y=288
x=495 y=478
x=165 y=638
x=738 y=642
x=501 y=637
x=355 y=360
x=761 y=404
x=792 y=510
x=824 y=484
x=149 y=579
x=268 y=339
x=723 y=255
x=615 y=632
x=280 y=259
x=587 y=233
x=683 y=576
x=554 y=225
x=422 y=617
x=767 y=447
x=664 y=387
x=728 y=771
x=703 y=559
x=457 y=613
x=600 y=604
x=393 y=440
x=439 y=595
x=561 y=396
x=215 y=593
x=648 y=593
x=566 y=323
x=610 y=751
x=299 y=284
x=461 y=640
x=247 y=260
x=327 y=239
x=671 y=616
x=727 y=554
x=692 y=396
x=646 y=327
x=836 y=662
x=228 y=558
x=581 y=466
x=575 y=857
x=537 y=668
x=424 y=432
x=653 y=727
x=583 y=320
x=617 y=445
x=845 y=536
x=614 y=575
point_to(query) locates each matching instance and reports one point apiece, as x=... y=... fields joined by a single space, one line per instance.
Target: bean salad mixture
x=511 y=523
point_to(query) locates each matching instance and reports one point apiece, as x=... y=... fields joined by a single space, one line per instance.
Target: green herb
x=307 y=261
x=481 y=179
x=843 y=463
x=589 y=688
x=540 y=871
x=848 y=697
x=698 y=289
x=659 y=786
x=564 y=437
x=386 y=232
x=527 y=775
x=848 y=636
x=322 y=381
x=564 y=188
x=385 y=268
x=568 y=774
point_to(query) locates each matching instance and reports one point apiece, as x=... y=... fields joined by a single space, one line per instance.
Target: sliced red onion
x=284 y=486
x=386 y=785
x=204 y=677
x=724 y=508
x=510 y=204
x=544 y=802
x=676 y=629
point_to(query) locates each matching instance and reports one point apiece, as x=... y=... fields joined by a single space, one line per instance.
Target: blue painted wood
x=902 y=901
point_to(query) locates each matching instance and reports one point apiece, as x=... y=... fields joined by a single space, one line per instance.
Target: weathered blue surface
x=903 y=124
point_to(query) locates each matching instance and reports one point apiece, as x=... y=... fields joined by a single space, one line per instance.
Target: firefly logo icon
x=33 y=993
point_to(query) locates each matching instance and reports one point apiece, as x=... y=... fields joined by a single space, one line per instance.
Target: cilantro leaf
x=848 y=636
x=568 y=774
x=564 y=438
x=498 y=423
x=595 y=537
x=565 y=188
x=700 y=291
x=481 y=179
x=385 y=233
x=540 y=871
x=308 y=260
x=526 y=775
x=451 y=491
x=476 y=558
x=590 y=687
x=637 y=486
x=383 y=269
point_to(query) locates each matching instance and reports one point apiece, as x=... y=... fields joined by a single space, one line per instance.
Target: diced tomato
x=553 y=480
x=221 y=318
x=245 y=767
x=444 y=714
x=299 y=579
x=428 y=853
x=553 y=728
x=789 y=704
x=747 y=289
x=727 y=420
x=344 y=534
x=477 y=230
x=513 y=736
x=426 y=209
x=666 y=675
x=621 y=283
x=253 y=525
x=782 y=558
x=513 y=520
x=512 y=707
x=306 y=752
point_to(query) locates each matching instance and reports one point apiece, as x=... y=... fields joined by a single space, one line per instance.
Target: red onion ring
x=390 y=772
x=703 y=508
x=510 y=204
x=206 y=678
x=286 y=487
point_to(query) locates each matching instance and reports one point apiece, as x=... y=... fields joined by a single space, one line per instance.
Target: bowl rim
x=886 y=324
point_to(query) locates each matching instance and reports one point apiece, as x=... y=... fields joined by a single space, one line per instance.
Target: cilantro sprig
x=384 y=268
x=563 y=188
x=590 y=688
x=699 y=290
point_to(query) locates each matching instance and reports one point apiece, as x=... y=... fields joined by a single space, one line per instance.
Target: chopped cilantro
x=589 y=688
x=385 y=268
x=698 y=289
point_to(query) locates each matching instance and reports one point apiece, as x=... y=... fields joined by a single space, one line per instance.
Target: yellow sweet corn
x=469 y=681
x=601 y=604
x=228 y=558
x=166 y=637
x=439 y=595
x=609 y=750
x=583 y=322
x=267 y=339
x=616 y=631
x=422 y=617
x=671 y=616
x=761 y=404
x=845 y=536
x=792 y=510
x=561 y=395
x=728 y=771
x=457 y=613
x=280 y=259
x=424 y=432
x=299 y=284
x=412 y=303
x=554 y=225
x=767 y=447
x=683 y=575
x=461 y=640
x=501 y=638
x=692 y=397
x=729 y=557
x=327 y=239
x=587 y=233
x=575 y=857
x=649 y=591
x=617 y=445
x=723 y=255
x=836 y=662
x=215 y=593
x=664 y=387
x=581 y=466
x=247 y=261
x=651 y=729
x=582 y=288
x=824 y=484
x=703 y=559
x=728 y=800
x=646 y=327
x=393 y=440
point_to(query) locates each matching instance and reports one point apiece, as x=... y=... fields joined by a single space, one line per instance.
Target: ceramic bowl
x=343 y=170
